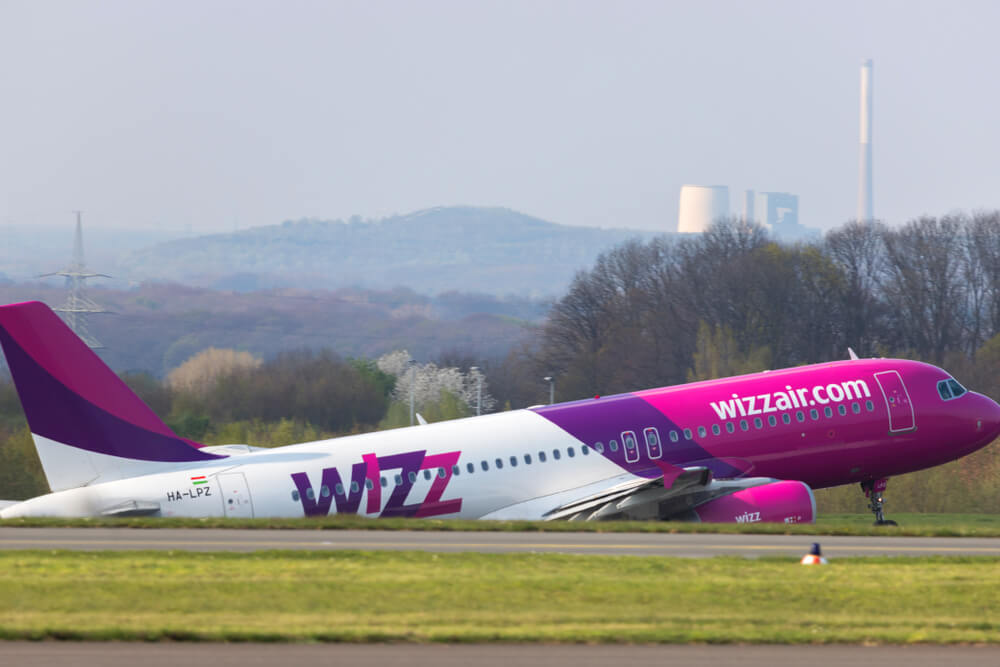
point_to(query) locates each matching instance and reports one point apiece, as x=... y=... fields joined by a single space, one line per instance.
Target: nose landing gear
x=873 y=491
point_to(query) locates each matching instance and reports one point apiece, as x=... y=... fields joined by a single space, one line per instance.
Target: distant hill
x=156 y=327
x=491 y=250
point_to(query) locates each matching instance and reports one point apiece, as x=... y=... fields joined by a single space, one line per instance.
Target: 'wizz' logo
x=347 y=496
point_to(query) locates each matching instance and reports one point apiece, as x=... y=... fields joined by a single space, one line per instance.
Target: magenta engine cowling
x=775 y=502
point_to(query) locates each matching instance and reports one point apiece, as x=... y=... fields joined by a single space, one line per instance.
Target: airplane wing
x=675 y=496
x=617 y=499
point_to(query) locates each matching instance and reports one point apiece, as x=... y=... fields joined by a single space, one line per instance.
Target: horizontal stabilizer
x=132 y=508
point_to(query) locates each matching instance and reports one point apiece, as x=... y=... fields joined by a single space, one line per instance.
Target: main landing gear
x=873 y=491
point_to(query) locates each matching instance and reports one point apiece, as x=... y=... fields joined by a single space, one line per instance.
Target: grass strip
x=911 y=525
x=353 y=596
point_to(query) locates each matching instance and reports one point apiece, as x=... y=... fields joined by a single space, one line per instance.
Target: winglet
x=852 y=353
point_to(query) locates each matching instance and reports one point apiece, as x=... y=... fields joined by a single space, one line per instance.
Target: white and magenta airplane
x=741 y=449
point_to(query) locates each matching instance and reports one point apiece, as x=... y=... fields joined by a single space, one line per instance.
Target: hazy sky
x=215 y=114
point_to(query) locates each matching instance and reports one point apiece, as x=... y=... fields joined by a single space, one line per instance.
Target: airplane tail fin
x=88 y=426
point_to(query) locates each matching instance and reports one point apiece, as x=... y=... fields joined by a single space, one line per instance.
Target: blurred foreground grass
x=422 y=597
x=914 y=525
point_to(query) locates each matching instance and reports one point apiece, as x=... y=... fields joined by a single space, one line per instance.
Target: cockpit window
x=949 y=389
x=944 y=390
x=956 y=389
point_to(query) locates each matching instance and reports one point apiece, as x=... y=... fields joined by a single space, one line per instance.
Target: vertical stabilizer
x=88 y=426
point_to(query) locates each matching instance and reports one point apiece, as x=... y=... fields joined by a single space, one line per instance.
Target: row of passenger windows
x=629 y=442
x=456 y=470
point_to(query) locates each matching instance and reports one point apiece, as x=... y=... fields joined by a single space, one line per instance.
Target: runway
x=30 y=654
x=688 y=545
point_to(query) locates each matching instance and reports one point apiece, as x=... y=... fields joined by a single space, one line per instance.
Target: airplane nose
x=988 y=421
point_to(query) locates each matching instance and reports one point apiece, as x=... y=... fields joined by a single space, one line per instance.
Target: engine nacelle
x=775 y=502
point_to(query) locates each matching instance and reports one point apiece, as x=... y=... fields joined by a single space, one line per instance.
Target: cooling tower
x=865 y=208
x=701 y=205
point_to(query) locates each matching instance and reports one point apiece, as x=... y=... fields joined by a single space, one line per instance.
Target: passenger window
x=716 y=430
x=470 y=468
x=828 y=411
x=541 y=456
x=786 y=418
x=758 y=422
x=613 y=445
x=324 y=491
x=585 y=450
x=385 y=482
x=674 y=437
x=702 y=433
x=369 y=485
x=599 y=447
x=295 y=495
x=744 y=426
x=570 y=452
x=513 y=462
x=956 y=389
x=653 y=447
x=455 y=470
x=555 y=454
x=310 y=494
x=499 y=464
x=687 y=434
x=772 y=420
x=631 y=446
x=869 y=406
x=842 y=409
x=527 y=459
x=354 y=487
x=339 y=489
x=730 y=427
x=800 y=416
x=399 y=480
x=484 y=465
x=427 y=474
x=814 y=413
x=442 y=473
x=856 y=408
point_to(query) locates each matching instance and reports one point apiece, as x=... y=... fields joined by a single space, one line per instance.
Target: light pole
x=552 y=388
x=479 y=389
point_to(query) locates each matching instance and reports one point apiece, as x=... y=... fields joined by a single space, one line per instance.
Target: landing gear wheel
x=873 y=491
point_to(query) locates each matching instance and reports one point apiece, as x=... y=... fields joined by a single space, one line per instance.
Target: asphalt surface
x=633 y=544
x=29 y=654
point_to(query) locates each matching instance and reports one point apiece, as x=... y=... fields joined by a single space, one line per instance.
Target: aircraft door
x=897 y=400
x=236 y=501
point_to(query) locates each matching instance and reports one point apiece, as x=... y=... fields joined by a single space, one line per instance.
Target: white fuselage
x=547 y=463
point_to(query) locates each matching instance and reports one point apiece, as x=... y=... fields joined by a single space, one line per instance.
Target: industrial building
x=701 y=205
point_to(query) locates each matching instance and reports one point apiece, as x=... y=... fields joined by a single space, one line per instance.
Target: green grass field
x=915 y=525
x=421 y=597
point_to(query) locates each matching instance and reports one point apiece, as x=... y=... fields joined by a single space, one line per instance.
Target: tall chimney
x=865 y=209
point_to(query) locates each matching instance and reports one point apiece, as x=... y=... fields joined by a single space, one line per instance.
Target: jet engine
x=775 y=502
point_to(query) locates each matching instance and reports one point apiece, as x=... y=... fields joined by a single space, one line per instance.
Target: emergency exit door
x=897 y=400
x=236 y=501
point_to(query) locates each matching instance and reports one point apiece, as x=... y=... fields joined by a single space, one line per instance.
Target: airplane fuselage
x=824 y=425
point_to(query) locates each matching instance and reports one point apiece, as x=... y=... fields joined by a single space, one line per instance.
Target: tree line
x=734 y=300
